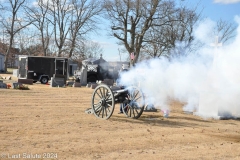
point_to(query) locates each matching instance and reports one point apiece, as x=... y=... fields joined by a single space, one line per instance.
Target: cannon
x=104 y=99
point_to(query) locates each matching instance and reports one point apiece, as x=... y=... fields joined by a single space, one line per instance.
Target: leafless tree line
x=60 y=27
x=54 y=26
x=154 y=27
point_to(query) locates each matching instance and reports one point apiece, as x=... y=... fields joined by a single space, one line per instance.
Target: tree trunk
x=7 y=54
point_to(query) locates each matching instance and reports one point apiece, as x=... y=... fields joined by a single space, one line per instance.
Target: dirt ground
x=51 y=123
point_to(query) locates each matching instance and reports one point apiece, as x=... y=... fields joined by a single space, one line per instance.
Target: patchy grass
x=53 y=121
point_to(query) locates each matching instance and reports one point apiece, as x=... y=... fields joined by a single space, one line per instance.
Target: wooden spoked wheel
x=134 y=106
x=103 y=102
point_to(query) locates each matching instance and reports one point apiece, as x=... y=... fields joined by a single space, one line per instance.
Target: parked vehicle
x=40 y=68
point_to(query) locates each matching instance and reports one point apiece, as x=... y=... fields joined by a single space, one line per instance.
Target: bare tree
x=12 y=22
x=94 y=49
x=33 y=50
x=130 y=20
x=224 y=30
x=39 y=14
x=84 y=20
x=26 y=41
x=79 y=52
x=87 y=49
x=175 y=28
x=72 y=19
x=152 y=25
x=59 y=11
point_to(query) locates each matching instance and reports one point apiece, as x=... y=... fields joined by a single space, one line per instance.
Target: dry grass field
x=51 y=123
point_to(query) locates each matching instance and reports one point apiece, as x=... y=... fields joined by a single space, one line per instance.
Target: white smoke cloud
x=204 y=31
x=206 y=81
x=226 y=1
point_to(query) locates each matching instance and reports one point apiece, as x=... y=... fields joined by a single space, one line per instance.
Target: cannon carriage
x=104 y=99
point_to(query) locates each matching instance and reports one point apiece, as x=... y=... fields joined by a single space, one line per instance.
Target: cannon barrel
x=120 y=91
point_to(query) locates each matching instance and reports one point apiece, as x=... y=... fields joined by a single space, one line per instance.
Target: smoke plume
x=204 y=80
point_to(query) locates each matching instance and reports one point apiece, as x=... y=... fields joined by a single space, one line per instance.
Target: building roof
x=93 y=61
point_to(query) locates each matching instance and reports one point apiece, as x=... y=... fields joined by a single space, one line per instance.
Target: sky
x=213 y=9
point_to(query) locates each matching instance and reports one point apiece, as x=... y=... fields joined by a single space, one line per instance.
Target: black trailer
x=40 y=68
